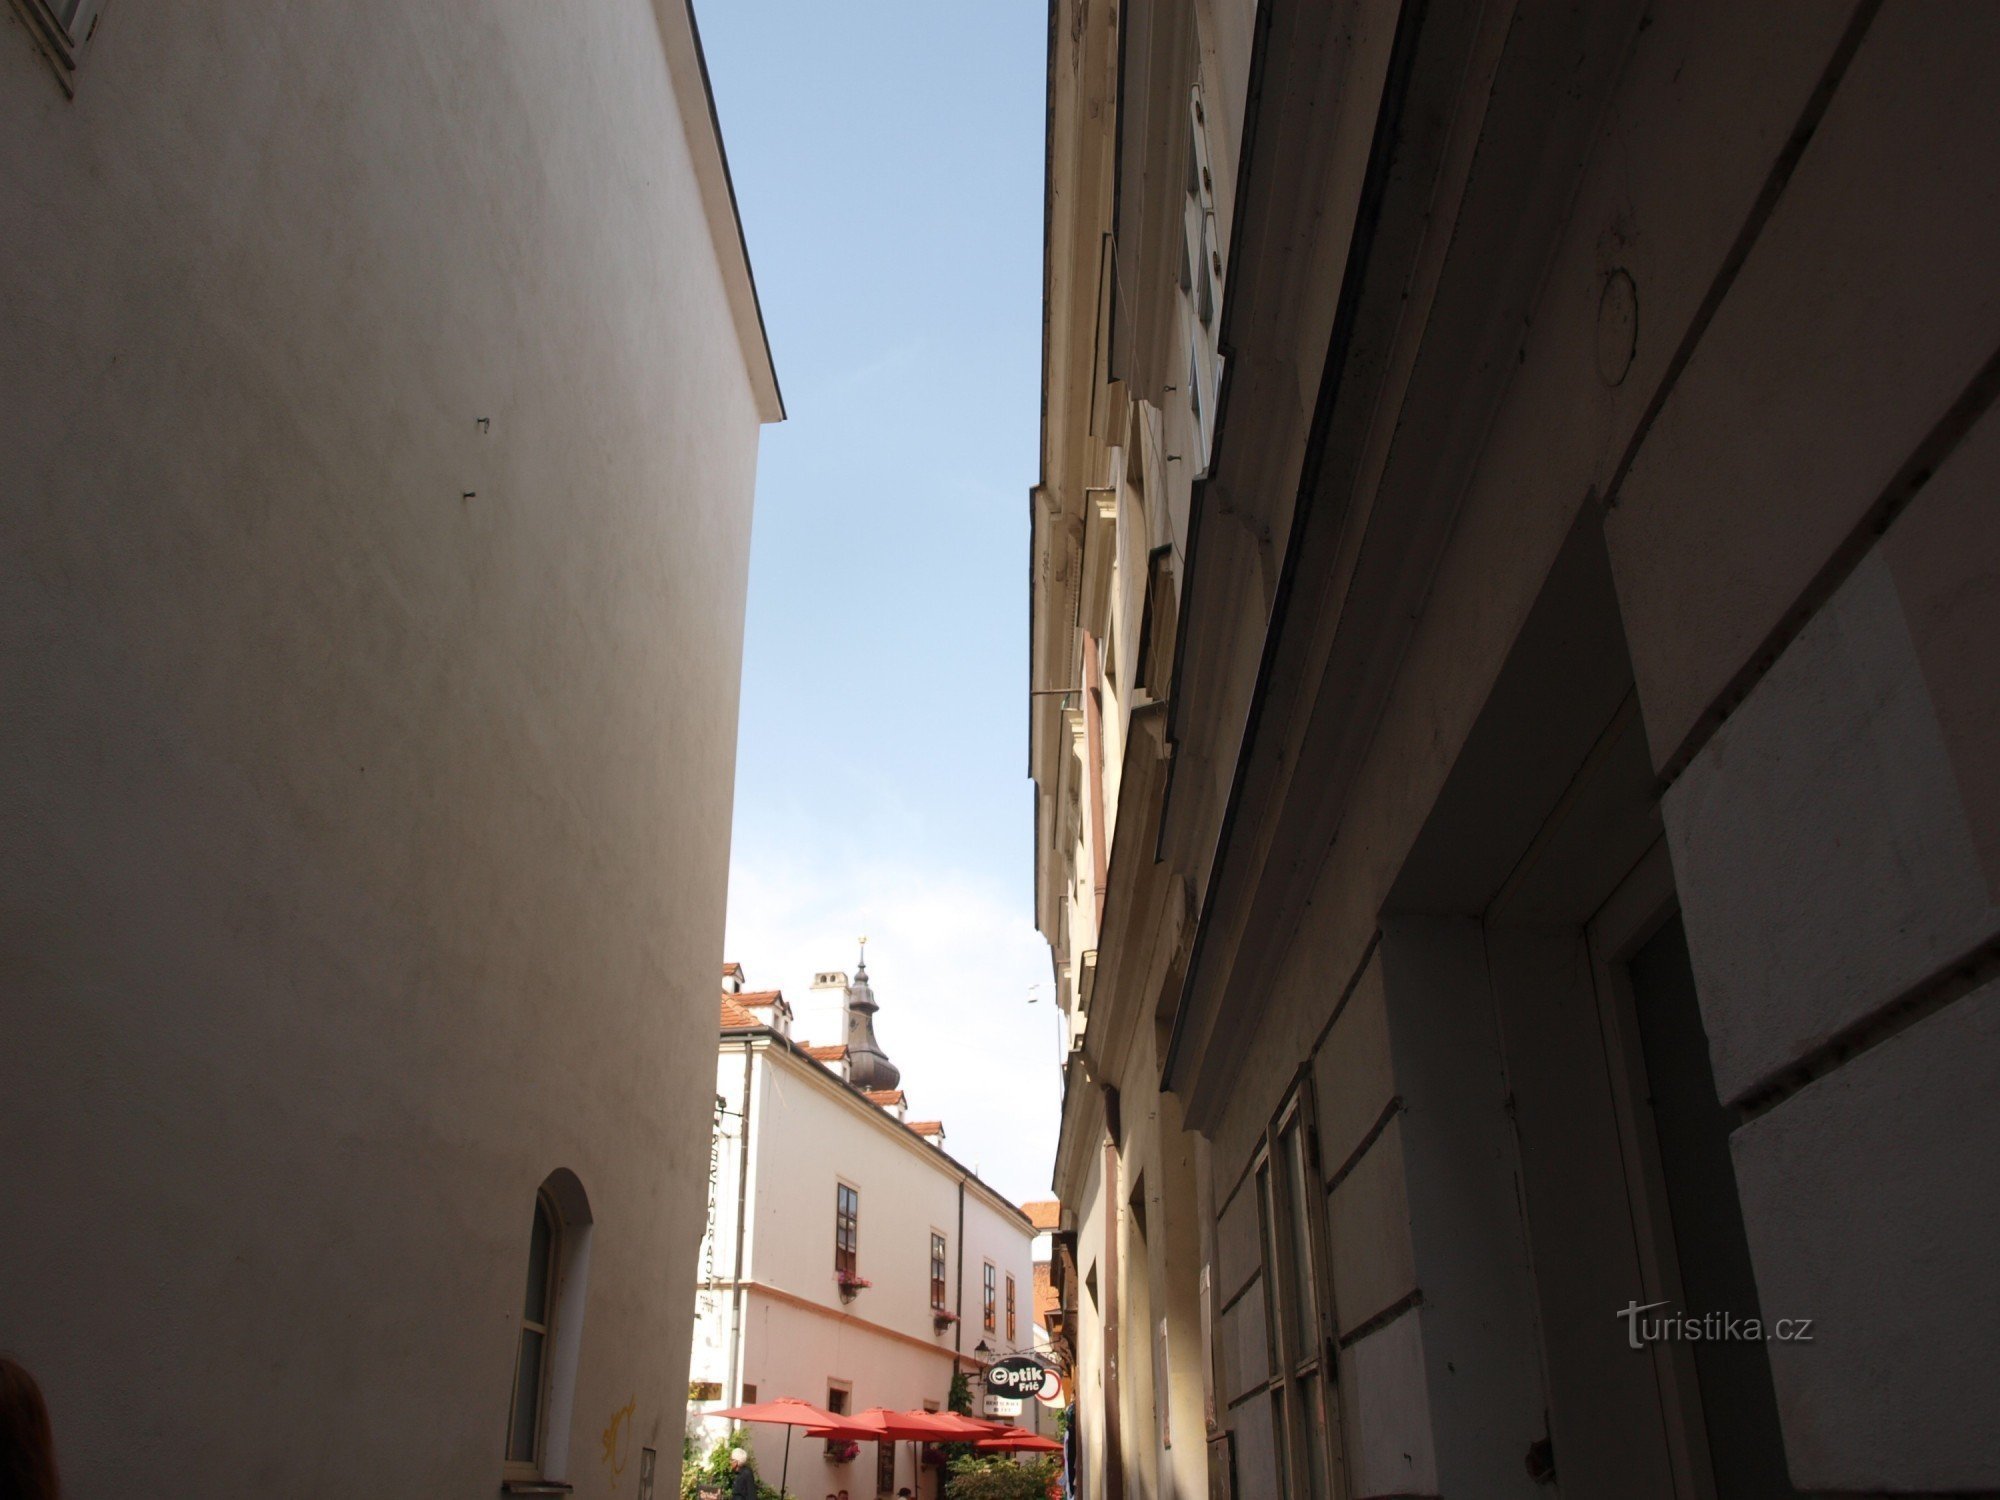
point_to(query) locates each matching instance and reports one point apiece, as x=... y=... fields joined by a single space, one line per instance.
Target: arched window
x=531 y=1349
x=546 y=1346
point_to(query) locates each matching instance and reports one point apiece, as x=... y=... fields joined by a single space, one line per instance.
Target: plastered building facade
x=1514 y=736
x=383 y=387
x=816 y=1177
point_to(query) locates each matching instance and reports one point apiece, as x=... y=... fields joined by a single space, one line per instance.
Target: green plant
x=959 y=1399
x=996 y=1477
x=713 y=1471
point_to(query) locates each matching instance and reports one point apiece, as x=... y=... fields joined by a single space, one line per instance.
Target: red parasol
x=964 y=1428
x=788 y=1411
x=879 y=1424
x=1018 y=1440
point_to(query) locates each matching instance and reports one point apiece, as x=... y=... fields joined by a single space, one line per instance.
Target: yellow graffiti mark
x=613 y=1456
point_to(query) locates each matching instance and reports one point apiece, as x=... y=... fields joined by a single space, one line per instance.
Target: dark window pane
x=521 y=1430
x=1281 y=1441
x=1277 y=1295
x=1313 y=1435
x=541 y=1242
x=1303 y=1304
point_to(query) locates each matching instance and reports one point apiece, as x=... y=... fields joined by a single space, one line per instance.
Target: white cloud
x=952 y=961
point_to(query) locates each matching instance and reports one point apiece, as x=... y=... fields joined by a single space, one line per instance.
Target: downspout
x=736 y=1280
x=1114 y=1447
x=958 y=1309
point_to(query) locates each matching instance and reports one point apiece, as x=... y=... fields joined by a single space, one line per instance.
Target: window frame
x=1302 y=1352
x=940 y=1272
x=990 y=1297
x=846 y=1231
x=1199 y=278
x=532 y=1466
x=1013 y=1321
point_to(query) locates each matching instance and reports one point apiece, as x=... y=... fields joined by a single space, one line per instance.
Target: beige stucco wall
x=364 y=844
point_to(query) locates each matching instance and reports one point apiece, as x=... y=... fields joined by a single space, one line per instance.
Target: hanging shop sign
x=1020 y=1376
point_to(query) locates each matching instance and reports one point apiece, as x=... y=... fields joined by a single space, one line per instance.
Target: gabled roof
x=826 y=1054
x=1044 y=1213
x=735 y=1017
x=732 y=971
x=758 y=999
x=887 y=1098
x=926 y=1127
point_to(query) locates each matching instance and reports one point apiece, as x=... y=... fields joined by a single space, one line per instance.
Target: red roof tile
x=1043 y=1213
x=757 y=999
x=732 y=969
x=927 y=1127
x=735 y=1017
x=827 y=1054
x=887 y=1098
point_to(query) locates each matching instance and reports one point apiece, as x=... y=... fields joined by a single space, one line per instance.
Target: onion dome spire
x=868 y=1067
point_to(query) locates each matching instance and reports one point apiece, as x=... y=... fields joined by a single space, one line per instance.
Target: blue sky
x=888 y=167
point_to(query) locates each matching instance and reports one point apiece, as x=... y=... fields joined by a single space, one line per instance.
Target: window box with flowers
x=942 y=1320
x=842 y=1450
x=850 y=1283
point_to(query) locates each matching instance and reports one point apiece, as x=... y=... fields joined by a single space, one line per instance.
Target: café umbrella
x=879 y=1424
x=789 y=1411
x=1017 y=1440
x=959 y=1427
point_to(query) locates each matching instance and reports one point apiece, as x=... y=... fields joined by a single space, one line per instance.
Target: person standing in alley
x=742 y=1478
x=27 y=1439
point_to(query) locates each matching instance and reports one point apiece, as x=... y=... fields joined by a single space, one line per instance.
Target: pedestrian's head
x=738 y=1458
x=27 y=1440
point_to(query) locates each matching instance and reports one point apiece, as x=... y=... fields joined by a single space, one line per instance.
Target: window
x=885 y=1468
x=543 y=1392
x=1200 y=276
x=992 y=1299
x=838 y=1394
x=938 y=1290
x=531 y=1349
x=62 y=27
x=1288 y=1193
x=1011 y=1334
x=749 y=1393
x=846 y=1232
